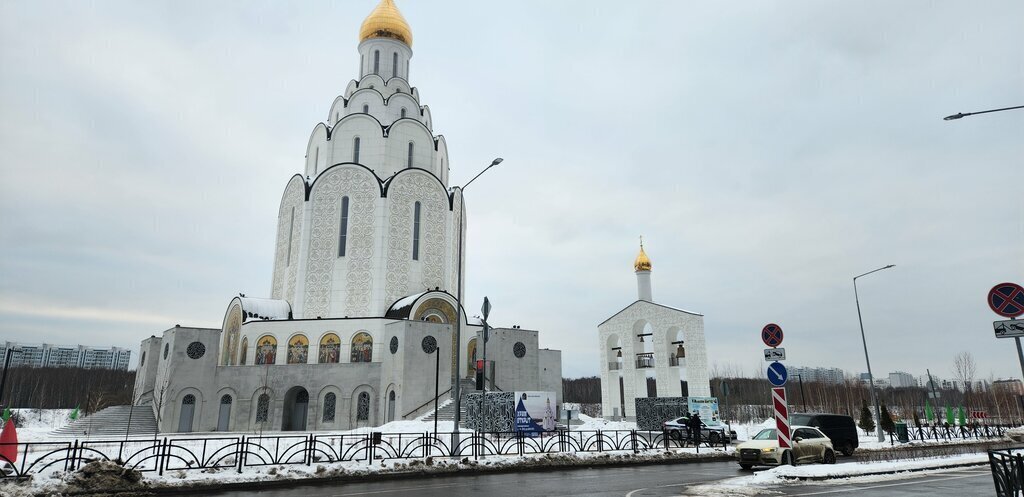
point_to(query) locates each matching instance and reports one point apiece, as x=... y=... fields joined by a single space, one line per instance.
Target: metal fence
x=1007 y=471
x=240 y=452
x=947 y=432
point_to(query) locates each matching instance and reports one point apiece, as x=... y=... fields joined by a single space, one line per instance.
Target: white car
x=809 y=445
x=714 y=432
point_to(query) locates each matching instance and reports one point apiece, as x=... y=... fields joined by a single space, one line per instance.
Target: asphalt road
x=968 y=481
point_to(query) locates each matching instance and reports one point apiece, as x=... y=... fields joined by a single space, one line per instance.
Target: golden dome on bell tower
x=385 y=21
x=642 y=262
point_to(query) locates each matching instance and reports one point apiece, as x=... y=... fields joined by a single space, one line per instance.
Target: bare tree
x=964 y=369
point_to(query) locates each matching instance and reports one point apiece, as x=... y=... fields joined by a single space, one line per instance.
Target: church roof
x=264 y=309
x=385 y=21
x=650 y=303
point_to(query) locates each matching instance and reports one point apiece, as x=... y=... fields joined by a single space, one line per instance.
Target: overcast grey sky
x=767 y=152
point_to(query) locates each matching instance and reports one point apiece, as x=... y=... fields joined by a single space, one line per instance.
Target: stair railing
x=427 y=403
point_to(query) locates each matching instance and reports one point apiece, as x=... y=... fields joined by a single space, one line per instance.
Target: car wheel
x=787 y=459
x=746 y=466
x=847 y=449
x=829 y=457
x=714 y=438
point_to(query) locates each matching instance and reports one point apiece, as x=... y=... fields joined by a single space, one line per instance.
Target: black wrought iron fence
x=1007 y=471
x=239 y=452
x=949 y=432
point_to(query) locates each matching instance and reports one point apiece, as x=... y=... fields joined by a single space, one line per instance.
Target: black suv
x=839 y=428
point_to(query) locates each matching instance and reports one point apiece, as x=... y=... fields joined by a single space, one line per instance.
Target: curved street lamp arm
x=965 y=114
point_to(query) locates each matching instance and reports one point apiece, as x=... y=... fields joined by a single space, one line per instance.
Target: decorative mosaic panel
x=500 y=411
x=652 y=411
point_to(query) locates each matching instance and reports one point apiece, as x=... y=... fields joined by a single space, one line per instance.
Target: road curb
x=879 y=473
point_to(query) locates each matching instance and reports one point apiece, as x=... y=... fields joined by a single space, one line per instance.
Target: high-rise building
x=47 y=355
x=823 y=375
x=898 y=379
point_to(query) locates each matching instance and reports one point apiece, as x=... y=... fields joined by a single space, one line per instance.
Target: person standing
x=695 y=426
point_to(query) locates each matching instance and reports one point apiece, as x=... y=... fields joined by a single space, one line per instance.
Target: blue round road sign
x=771 y=335
x=777 y=374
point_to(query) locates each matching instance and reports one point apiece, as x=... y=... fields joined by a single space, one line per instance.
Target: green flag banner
x=6 y=415
x=74 y=414
x=963 y=417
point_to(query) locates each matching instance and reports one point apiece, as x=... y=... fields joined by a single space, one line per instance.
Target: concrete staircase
x=446 y=411
x=112 y=422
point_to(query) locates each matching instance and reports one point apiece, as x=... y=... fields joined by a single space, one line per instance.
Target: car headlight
x=768 y=449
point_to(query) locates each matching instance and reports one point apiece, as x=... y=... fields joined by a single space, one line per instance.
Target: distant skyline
x=767 y=152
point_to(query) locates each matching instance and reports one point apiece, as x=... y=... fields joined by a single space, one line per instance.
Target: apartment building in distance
x=46 y=355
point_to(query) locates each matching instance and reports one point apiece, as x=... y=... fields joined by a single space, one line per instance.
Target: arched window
x=355 y=149
x=409 y=161
x=291 y=231
x=142 y=360
x=362 y=348
x=244 y=352
x=391 y=406
x=376 y=61
x=298 y=350
x=224 y=414
x=394 y=64
x=363 y=408
x=266 y=350
x=330 y=405
x=188 y=409
x=403 y=112
x=263 y=408
x=366 y=108
x=416 y=232
x=330 y=348
x=343 y=228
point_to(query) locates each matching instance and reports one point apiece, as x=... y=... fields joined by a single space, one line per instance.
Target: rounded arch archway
x=296 y=409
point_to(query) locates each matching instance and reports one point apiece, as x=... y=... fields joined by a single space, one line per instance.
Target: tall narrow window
x=366 y=109
x=316 y=160
x=376 y=61
x=416 y=232
x=355 y=149
x=291 y=232
x=362 y=64
x=394 y=64
x=403 y=111
x=343 y=230
x=409 y=161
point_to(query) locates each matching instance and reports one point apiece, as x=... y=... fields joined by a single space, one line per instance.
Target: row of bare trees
x=56 y=388
x=749 y=399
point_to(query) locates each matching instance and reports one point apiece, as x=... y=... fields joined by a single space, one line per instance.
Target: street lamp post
x=871 y=377
x=803 y=400
x=959 y=115
x=437 y=373
x=458 y=314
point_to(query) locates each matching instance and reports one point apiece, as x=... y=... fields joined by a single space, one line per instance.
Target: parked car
x=809 y=445
x=840 y=429
x=713 y=431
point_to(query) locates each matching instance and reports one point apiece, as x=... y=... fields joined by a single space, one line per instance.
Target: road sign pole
x=1020 y=356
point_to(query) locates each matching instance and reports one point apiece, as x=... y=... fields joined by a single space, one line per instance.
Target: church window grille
x=403 y=112
x=376 y=61
x=196 y=350
x=416 y=232
x=363 y=408
x=429 y=344
x=330 y=405
x=393 y=346
x=343 y=229
x=291 y=232
x=355 y=149
x=519 y=350
x=189 y=400
x=225 y=399
x=263 y=408
x=409 y=160
x=366 y=109
x=394 y=64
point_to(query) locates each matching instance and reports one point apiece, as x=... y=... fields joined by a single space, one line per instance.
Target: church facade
x=366 y=284
x=650 y=340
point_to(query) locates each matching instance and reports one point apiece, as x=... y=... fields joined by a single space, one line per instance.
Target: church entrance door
x=296 y=408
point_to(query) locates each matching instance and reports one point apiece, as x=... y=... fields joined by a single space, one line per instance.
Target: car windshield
x=800 y=419
x=766 y=434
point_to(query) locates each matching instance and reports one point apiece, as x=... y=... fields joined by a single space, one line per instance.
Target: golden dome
x=386 y=22
x=642 y=262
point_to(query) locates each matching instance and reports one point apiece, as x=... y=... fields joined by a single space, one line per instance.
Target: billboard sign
x=707 y=407
x=535 y=412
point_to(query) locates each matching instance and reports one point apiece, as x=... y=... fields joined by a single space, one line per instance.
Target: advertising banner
x=535 y=412
x=707 y=407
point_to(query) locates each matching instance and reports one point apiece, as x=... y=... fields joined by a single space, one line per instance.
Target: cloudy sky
x=767 y=151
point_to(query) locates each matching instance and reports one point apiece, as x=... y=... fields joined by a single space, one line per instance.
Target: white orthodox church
x=367 y=280
x=650 y=340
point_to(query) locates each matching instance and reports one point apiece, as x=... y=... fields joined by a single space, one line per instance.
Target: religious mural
x=298 y=350
x=362 y=348
x=330 y=349
x=266 y=350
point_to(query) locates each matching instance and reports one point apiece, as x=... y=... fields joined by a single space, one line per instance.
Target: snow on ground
x=828 y=474
x=38 y=423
